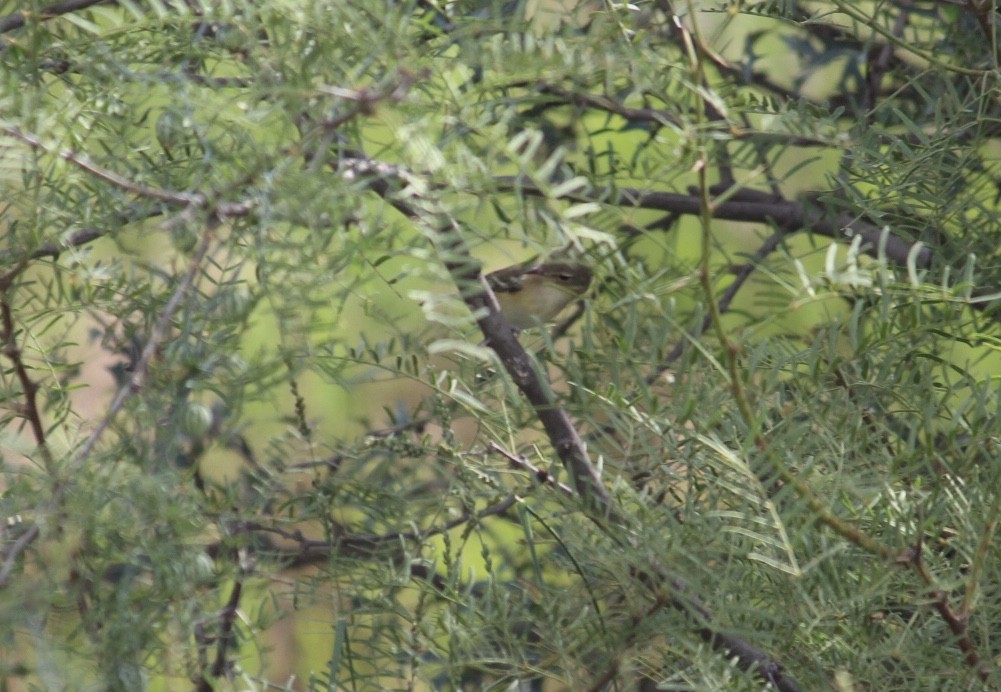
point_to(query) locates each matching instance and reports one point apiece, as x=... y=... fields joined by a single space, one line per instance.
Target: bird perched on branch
x=532 y=294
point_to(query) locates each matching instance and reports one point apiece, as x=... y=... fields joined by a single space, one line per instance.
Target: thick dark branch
x=500 y=336
x=17 y=20
x=78 y=238
x=785 y=215
x=222 y=665
x=609 y=105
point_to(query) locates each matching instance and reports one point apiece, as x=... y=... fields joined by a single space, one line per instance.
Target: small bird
x=532 y=294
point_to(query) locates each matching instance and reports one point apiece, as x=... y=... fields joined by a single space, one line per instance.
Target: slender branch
x=958 y=623
x=731 y=352
x=364 y=102
x=29 y=388
x=186 y=199
x=660 y=117
x=871 y=21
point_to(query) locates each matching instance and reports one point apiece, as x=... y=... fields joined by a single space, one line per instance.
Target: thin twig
x=187 y=199
x=309 y=551
x=183 y=198
x=540 y=475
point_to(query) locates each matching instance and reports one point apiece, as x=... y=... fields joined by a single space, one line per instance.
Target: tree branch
x=786 y=215
x=16 y=20
x=600 y=507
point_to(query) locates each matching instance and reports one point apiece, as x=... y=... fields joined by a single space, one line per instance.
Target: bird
x=533 y=294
